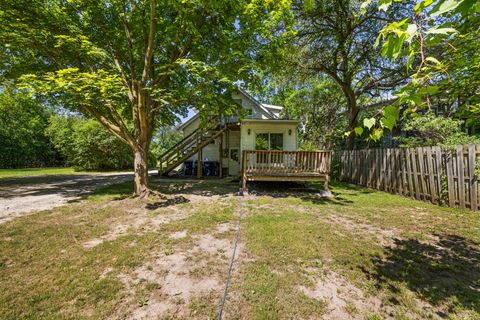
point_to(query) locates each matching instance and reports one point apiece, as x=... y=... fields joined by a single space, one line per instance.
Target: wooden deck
x=270 y=165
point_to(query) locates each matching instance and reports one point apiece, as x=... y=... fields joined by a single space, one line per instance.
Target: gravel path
x=21 y=196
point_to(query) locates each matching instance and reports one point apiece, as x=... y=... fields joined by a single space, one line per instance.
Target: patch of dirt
x=225 y=227
x=344 y=300
x=181 y=277
x=26 y=195
x=385 y=236
x=138 y=220
x=178 y=235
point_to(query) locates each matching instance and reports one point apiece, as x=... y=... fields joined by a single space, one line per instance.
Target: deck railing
x=285 y=163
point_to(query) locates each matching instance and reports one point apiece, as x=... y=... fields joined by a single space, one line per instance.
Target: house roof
x=261 y=106
x=267 y=109
x=270 y=120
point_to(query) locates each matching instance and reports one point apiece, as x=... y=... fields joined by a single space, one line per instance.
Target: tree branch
x=151 y=38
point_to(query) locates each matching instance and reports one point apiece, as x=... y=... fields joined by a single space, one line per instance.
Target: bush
x=87 y=145
x=431 y=130
x=23 y=142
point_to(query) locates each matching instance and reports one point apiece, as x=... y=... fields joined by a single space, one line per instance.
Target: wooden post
x=460 y=176
x=220 y=172
x=200 y=163
x=243 y=187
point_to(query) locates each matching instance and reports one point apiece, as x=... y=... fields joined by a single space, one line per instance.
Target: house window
x=269 y=141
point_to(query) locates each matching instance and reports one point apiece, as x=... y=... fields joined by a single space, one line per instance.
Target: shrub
x=431 y=130
x=87 y=145
x=22 y=124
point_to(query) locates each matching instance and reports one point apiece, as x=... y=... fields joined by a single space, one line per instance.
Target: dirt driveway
x=20 y=196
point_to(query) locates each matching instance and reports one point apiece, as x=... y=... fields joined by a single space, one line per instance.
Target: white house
x=260 y=146
x=261 y=129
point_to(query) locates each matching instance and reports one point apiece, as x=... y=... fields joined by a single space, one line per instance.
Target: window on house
x=269 y=141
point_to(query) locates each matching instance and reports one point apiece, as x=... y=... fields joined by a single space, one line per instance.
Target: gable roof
x=270 y=111
x=259 y=105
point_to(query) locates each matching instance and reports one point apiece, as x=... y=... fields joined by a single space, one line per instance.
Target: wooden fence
x=442 y=176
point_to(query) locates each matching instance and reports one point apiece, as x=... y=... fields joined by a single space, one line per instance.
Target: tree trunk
x=142 y=187
x=352 y=123
x=352 y=114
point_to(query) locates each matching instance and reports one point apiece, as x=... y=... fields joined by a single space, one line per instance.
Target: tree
x=431 y=130
x=87 y=145
x=440 y=40
x=335 y=40
x=318 y=103
x=132 y=65
x=23 y=120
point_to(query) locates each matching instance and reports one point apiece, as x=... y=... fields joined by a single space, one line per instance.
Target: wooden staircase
x=187 y=147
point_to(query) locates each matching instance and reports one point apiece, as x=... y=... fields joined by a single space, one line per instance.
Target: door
x=233 y=161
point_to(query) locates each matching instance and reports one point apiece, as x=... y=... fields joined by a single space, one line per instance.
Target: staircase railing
x=187 y=147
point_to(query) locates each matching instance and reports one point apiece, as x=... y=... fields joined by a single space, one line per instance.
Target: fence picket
x=441 y=176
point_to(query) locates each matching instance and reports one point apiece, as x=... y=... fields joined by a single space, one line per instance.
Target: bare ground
x=25 y=195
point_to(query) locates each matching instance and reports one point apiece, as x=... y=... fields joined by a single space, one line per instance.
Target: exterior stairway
x=187 y=147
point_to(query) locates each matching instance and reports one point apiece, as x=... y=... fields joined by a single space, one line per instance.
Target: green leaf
x=391 y=111
x=376 y=134
x=384 y=4
x=398 y=46
x=422 y=5
x=411 y=31
x=445 y=7
x=369 y=122
x=436 y=30
x=388 y=122
x=358 y=131
x=411 y=56
x=432 y=59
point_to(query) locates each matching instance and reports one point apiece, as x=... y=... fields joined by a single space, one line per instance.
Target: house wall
x=248 y=140
x=249 y=105
x=210 y=151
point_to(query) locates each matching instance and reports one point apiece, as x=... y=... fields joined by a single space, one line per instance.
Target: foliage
x=430 y=130
x=261 y=143
x=318 y=104
x=87 y=145
x=163 y=140
x=135 y=65
x=22 y=124
x=334 y=40
x=438 y=41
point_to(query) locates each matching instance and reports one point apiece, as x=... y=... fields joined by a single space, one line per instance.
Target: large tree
x=133 y=64
x=335 y=38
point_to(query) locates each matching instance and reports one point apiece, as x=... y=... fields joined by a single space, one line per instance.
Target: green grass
x=27 y=172
x=416 y=260
x=30 y=172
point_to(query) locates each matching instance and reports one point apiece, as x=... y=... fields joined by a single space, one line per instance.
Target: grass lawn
x=30 y=172
x=362 y=254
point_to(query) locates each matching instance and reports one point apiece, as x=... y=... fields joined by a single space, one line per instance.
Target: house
x=260 y=146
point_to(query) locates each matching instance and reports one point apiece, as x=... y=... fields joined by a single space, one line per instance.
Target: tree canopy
x=134 y=65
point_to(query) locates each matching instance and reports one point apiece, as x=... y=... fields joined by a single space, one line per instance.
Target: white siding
x=249 y=104
x=192 y=126
x=248 y=140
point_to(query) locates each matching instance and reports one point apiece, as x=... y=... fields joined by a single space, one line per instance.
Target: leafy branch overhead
x=134 y=66
x=430 y=41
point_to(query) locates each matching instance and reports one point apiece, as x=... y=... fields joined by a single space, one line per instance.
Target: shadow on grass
x=166 y=203
x=76 y=186
x=209 y=187
x=172 y=187
x=308 y=192
x=444 y=272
